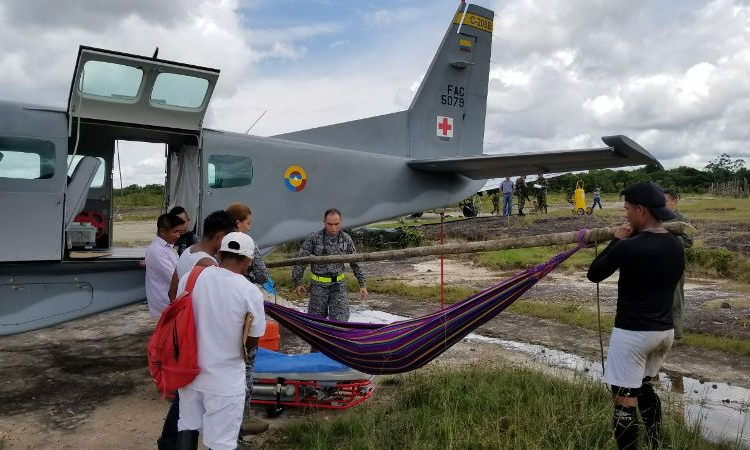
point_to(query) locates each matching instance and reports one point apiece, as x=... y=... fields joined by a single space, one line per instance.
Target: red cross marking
x=444 y=126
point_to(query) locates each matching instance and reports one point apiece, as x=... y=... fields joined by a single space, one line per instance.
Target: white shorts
x=217 y=417
x=634 y=355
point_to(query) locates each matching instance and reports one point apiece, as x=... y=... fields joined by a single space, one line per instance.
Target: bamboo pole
x=571 y=237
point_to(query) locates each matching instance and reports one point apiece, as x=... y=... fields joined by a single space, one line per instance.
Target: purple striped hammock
x=406 y=345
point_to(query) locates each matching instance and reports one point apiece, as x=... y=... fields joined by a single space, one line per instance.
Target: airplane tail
x=446 y=117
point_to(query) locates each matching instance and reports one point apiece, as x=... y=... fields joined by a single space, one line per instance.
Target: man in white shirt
x=215 y=226
x=212 y=404
x=161 y=259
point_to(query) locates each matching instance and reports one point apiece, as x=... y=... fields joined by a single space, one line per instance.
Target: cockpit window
x=228 y=171
x=110 y=80
x=28 y=159
x=183 y=91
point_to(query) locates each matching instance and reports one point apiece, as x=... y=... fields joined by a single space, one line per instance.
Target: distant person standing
x=541 y=194
x=328 y=295
x=507 y=187
x=495 y=202
x=678 y=306
x=161 y=260
x=651 y=262
x=597 y=199
x=522 y=191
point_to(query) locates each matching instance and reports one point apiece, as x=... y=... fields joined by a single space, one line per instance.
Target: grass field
x=480 y=407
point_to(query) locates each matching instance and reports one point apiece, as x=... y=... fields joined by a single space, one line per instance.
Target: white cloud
x=671 y=75
x=391 y=16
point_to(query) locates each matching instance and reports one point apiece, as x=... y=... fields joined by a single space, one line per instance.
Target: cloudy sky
x=672 y=74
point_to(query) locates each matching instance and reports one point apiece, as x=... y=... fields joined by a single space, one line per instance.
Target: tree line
x=683 y=179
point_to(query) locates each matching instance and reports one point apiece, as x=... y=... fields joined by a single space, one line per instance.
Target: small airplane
x=56 y=168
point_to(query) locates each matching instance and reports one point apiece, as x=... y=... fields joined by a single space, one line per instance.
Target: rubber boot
x=649 y=405
x=187 y=440
x=626 y=427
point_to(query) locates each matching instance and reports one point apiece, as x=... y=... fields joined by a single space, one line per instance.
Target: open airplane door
x=120 y=88
x=118 y=96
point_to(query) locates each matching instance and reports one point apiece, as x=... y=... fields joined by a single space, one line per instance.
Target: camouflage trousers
x=329 y=300
x=678 y=306
x=541 y=201
x=521 y=204
x=249 y=374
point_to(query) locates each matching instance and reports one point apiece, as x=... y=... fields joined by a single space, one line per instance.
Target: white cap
x=238 y=243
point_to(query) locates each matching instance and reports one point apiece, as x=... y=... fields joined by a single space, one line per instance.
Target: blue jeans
x=507 y=203
x=597 y=201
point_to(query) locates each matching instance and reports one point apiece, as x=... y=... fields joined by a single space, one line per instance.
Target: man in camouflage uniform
x=328 y=296
x=541 y=194
x=495 y=202
x=678 y=304
x=523 y=194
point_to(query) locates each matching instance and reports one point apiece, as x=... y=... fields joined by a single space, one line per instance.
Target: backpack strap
x=193 y=278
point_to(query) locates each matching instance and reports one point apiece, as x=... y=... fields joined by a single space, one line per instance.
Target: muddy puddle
x=721 y=411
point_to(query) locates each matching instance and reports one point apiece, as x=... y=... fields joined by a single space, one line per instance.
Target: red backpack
x=172 y=348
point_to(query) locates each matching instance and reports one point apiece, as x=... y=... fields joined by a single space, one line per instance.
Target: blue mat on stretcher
x=267 y=361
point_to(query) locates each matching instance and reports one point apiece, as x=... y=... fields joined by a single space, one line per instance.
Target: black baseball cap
x=651 y=196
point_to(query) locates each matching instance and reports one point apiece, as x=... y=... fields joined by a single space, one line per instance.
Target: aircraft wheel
x=589 y=210
x=580 y=211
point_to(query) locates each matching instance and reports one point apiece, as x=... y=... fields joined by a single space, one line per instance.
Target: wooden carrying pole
x=571 y=237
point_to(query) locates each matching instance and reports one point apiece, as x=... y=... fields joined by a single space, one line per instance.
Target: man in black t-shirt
x=651 y=262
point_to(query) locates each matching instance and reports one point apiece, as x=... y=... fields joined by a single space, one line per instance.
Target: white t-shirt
x=221 y=299
x=188 y=260
x=161 y=260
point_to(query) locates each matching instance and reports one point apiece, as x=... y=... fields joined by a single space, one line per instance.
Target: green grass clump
x=717 y=261
x=728 y=344
x=569 y=314
x=585 y=318
x=522 y=258
x=701 y=261
x=479 y=407
x=283 y=279
x=430 y=292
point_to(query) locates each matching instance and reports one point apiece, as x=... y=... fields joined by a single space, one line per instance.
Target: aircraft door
x=115 y=87
x=78 y=187
x=32 y=176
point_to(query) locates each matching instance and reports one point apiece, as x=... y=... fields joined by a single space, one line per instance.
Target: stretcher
x=310 y=380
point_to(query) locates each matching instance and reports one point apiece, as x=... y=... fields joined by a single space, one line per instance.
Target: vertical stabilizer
x=447 y=115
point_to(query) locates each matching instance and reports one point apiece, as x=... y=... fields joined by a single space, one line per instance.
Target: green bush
x=411 y=237
x=719 y=259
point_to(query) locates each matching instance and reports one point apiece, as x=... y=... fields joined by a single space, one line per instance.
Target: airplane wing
x=621 y=152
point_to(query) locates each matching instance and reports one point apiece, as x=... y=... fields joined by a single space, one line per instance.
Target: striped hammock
x=409 y=344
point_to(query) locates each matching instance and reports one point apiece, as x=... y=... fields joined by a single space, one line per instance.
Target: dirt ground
x=85 y=384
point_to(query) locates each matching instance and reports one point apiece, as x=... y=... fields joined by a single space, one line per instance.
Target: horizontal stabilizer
x=622 y=152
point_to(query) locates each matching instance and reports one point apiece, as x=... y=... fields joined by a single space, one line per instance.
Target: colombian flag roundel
x=295 y=178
